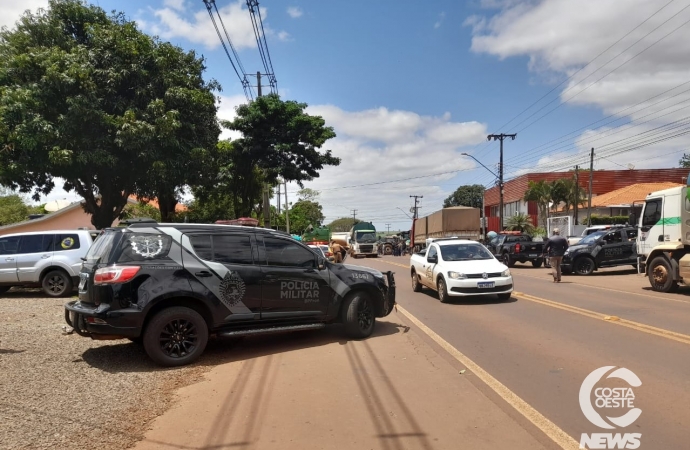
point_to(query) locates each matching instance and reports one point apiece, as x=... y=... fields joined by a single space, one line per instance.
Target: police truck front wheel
x=175 y=337
x=661 y=275
x=359 y=316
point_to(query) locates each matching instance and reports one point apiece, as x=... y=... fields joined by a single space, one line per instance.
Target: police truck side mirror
x=632 y=220
x=320 y=263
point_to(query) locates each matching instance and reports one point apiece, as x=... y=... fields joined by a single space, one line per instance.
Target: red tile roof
x=629 y=194
x=180 y=207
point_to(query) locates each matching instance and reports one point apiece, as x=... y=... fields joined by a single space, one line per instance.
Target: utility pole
x=416 y=208
x=267 y=188
x=388 y=228
x=500 y=137
x=577 y=191
x=589 y=201
x=278 y=197
x=287 y=209
x=354 y=217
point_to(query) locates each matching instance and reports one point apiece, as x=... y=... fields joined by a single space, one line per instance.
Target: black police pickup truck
x=606 y=248
x=169 y=286
x=517 y=247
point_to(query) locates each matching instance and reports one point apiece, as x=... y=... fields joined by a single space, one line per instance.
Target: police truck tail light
x=115 y=274
x=517 y=248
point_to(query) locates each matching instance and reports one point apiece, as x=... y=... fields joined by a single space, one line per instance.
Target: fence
x=563 y=223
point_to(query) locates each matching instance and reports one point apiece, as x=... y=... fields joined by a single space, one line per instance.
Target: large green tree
x=468 y=195
x=279 y=140
x=87 y=97
x=685 y=161
x=303 y=214
x=342 y=224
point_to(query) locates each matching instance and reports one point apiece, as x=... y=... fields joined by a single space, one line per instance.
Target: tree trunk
x=104 y=209
x=167 y=202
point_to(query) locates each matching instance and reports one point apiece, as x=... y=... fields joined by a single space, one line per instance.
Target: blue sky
x=410 y=85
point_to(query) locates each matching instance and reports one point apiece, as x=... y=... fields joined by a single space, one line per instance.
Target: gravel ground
x=63 y=391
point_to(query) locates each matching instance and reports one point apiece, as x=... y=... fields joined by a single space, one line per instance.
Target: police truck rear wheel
x=537 y=264
x=359 y=316
x=661 y=276
x=175 y=337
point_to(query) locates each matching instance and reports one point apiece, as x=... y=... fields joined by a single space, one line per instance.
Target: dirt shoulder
x=316 y=390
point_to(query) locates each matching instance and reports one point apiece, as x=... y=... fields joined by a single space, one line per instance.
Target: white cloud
x=439 y=22
x=11 y=11
x=226 y=111
x=283 y=36
x=561 y=37
x=173 y=21
x=178 y=5
x=294 y=12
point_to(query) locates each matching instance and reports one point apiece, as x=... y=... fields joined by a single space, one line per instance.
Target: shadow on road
x=131 y=357
x=478 y=300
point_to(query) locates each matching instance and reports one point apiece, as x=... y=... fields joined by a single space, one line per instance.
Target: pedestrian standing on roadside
x=337 y=252
x=555 y=248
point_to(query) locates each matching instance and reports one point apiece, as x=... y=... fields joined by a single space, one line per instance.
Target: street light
x=500 y=187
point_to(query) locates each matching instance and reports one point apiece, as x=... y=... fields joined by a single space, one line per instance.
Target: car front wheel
x=584 y=266
x=175 y=337
x=660 y=275
x=442 y=290
x=359 y=316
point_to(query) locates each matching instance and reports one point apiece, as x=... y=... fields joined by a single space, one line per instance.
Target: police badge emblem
x=231 y=289
x=147 y=246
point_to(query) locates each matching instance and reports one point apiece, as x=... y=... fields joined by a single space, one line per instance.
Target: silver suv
x=49 y=259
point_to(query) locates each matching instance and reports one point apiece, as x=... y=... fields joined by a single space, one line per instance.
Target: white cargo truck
x=663 y=243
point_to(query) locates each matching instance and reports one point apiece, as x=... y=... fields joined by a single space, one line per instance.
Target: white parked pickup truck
x=459 y=268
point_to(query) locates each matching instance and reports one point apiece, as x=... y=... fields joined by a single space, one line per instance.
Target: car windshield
x=464 y=252
x=592 y=238
x=366 y=237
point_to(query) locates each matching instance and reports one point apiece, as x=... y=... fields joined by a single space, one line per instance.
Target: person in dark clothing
x=555 y=247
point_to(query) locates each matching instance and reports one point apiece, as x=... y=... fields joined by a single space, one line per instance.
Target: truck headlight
x=457 y=275
x=505 y=273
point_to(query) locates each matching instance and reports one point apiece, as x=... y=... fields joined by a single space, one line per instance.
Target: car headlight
x=505 y=273
x=457 y=275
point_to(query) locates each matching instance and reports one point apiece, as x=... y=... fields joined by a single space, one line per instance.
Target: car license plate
x=486 y=285
x=533 y=255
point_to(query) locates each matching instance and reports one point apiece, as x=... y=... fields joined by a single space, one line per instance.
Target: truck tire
x=507 y=260
x=661 y=276
x=359 y=316
x=442 y=290
x=175 y=337
x=416 y=285
x=537 y=264
x=57 y=283
x=583 y=265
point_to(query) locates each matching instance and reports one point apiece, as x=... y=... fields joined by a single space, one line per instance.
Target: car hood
x=574 y=248
x=476 y=266
x=374 y=272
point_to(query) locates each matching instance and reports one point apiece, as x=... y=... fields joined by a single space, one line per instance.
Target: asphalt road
x=543 y=348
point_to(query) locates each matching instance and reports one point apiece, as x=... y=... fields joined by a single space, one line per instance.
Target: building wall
x=70 y=220
x=603 y=181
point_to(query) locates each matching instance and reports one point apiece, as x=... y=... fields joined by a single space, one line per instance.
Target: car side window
x=613 y=237
x=652 y=212
x=632 y=234
x=202 y=246
x=432 y=252
x=232 y=249
x=9 y=245
x=32 y=243
x=64 y=242
x=284 y=253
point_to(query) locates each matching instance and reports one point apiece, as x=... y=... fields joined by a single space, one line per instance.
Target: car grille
x=481 y=275
x=475 y=290
x=366 y=248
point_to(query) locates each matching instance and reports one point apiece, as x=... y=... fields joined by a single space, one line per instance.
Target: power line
x=262 y=44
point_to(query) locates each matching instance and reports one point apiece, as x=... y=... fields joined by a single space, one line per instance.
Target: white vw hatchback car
x=460 y=268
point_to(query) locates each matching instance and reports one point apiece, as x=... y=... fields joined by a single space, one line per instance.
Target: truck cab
x=664 y=238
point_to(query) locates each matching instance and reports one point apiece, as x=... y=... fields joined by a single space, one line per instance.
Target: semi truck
x=663 y=241
x=458 y=221
x=363 y=240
